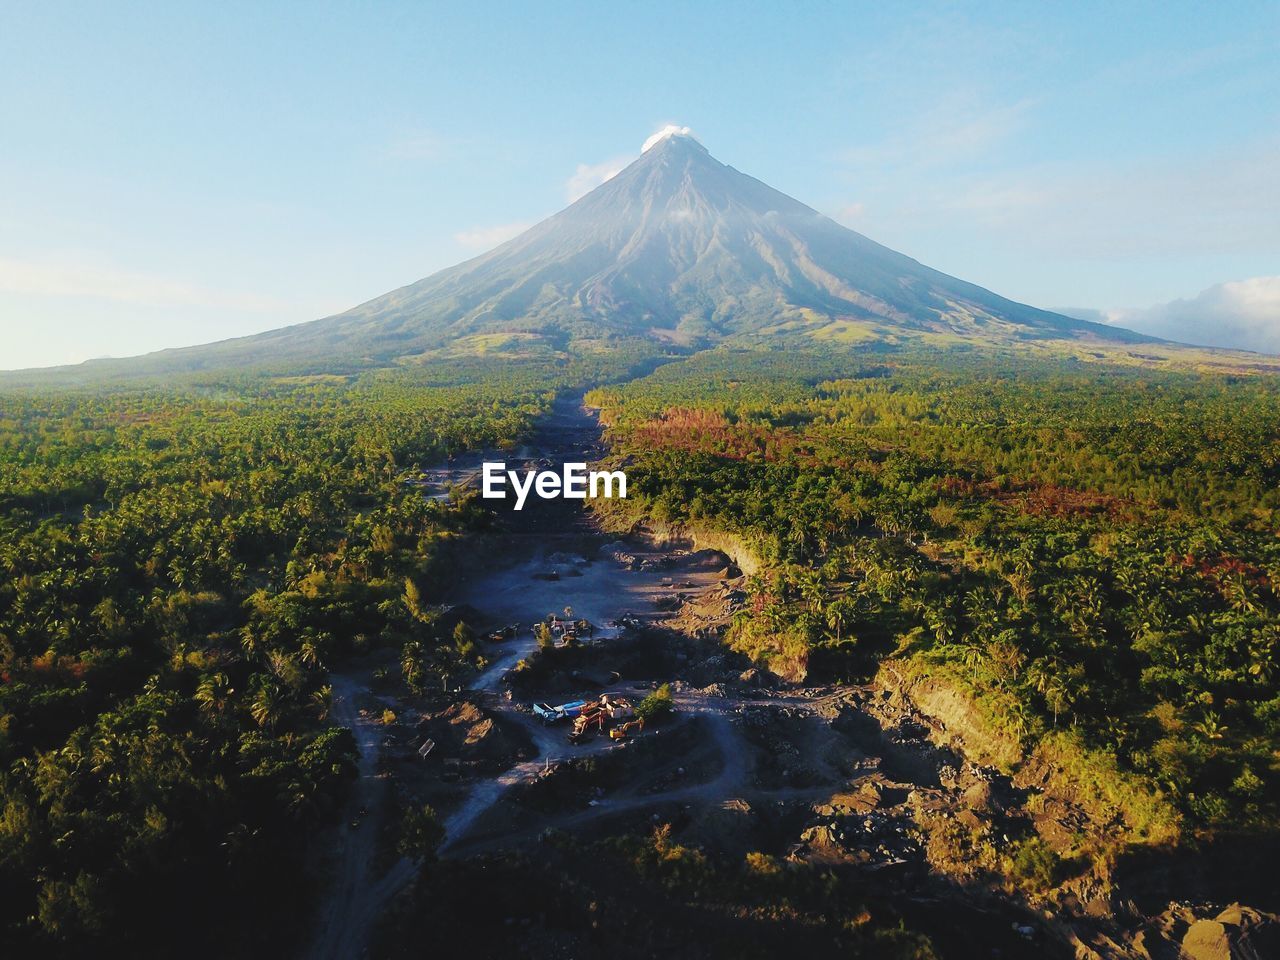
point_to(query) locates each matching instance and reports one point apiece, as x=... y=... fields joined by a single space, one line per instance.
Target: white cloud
x=484 y=238
x=670 y=130
x=851 y=212
x=588 y=176
x=100 y=281
x=1243 y=314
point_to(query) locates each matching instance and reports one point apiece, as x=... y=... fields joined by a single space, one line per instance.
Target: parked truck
x=608 y=711
x=565 y=711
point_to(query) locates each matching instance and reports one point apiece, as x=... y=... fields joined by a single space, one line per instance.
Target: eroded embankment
x=1050 y=824
x=695 y=535
x=1123 y=809
x=1071 y=806
x=976 y=723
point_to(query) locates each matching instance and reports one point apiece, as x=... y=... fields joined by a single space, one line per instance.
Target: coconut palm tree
x=812 y=590
x=268 y=705
x=322 y=700
x=214 y=693
x=839 y=615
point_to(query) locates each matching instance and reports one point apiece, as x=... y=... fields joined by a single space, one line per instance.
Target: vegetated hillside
x=678 y=251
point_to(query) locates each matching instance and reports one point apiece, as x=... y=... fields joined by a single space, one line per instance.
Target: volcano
x=679 y=249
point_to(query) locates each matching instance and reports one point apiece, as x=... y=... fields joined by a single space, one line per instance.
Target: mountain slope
x=681 y=247
x=678 y=249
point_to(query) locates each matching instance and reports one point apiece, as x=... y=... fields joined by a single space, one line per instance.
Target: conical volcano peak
x=682 y=250
x=676 y=133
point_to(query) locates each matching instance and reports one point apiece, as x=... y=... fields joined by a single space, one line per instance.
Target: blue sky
x=175 y=173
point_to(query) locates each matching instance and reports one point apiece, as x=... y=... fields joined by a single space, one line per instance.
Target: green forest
x=1089 y=552
x=179 y=566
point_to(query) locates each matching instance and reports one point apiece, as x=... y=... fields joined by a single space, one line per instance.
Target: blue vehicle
x=566 y=711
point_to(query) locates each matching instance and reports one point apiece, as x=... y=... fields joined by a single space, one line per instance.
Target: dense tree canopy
x=1097 y=543
x=178 y=569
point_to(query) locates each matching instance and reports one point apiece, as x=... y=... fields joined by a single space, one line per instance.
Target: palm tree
x=412 y=658
x=1058 y=697
x=1261 y=653
x=812 y=589
x=1020 y=719
x=799 y=536
x=322 y=699
x=214 y=693
x=1039 y=675
x=311 y=651
x=973 y=656
x=940 y=619
x=1241 y=594
x=1045 y=677
x=268 y=705
x=838 y=616
x=1211 y=727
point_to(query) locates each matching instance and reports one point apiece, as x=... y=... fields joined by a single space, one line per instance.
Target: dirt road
x=548 y=536
x=351 y=905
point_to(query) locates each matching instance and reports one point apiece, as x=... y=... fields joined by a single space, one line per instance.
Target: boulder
x=1206 y=940
x=978 y=798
